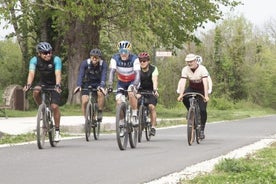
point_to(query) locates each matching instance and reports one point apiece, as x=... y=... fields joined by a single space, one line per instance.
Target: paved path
x=74 y=124
x=70 y=124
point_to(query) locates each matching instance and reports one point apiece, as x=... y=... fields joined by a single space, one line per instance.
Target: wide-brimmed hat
x=190 y=57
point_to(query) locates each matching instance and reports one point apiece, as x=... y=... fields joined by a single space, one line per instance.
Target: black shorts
x=149 y=99
x=55 y=96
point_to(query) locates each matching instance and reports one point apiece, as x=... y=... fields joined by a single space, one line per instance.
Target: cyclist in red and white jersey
x=127 y=67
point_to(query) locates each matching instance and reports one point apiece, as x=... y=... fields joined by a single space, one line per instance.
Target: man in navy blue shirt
x=92 y=73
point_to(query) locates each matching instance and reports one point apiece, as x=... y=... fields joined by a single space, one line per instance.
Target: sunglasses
x=95 y=57
x=143 y=61
x=46 y=53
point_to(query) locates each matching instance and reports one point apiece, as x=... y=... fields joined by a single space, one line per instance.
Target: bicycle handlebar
x=194 y=94
x=145 y=92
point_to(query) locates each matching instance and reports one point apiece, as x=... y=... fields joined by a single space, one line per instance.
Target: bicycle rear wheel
x=41 y=126
x=141 y=122
x=88 y=121
x=96 y=123
x=191 y=126
x=121 y=129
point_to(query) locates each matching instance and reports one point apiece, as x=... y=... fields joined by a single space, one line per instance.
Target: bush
x=221 y=103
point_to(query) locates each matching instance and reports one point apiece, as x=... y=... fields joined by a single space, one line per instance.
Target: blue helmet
x=44 y=47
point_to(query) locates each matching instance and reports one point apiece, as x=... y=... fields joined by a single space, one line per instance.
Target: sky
x=257 y=12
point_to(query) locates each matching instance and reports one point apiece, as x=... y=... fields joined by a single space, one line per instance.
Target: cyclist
x=49 y=66
x=210 y=82
x=149 y=82
x=197 y=75
x=92 y=72
x=127 y=66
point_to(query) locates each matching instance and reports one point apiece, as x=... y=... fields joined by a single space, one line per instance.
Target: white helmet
x=199 y=59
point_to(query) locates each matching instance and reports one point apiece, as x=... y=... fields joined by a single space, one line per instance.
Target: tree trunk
x=81 y=38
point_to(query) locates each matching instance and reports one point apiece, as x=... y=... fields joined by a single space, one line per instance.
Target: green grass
x=257 y=168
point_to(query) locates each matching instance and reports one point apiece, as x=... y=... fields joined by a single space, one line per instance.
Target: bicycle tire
x=133 y=136
x=190 y=126
x=41 y=127
x=147 y=125
x=197 y=125
x=51 y=131
x=121 y=139
x=88 y=121
x=141 y=122
x=147 y=131
x=97 y=124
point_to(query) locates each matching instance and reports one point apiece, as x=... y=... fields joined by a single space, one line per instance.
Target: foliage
x=78 y=26
x=11 y=63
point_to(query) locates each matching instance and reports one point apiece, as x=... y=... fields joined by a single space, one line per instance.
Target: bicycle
x=91 y=115
x=45 y=125
x=125 y=132
x=193 y=118
x=144 y=120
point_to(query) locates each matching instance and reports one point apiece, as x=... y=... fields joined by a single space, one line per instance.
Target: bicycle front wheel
x=88 y=121
x=147 y=131
x=51 y=131
x=121 y=126
x=197 y=125
x=133 y=135
x=96 y=123
x=191 y=126
x=141 y=122
x=41 y=126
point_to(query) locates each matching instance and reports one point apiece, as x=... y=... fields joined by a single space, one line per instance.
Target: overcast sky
x=256 y=11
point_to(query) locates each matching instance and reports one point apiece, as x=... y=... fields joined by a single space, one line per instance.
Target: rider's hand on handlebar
x=58 y=88
x=77 y=89
x=99 y=88
x=132 y=88
x=109 y=89
x=27 y=87
x=206 y=99
x=180 y=98
x=155 y=93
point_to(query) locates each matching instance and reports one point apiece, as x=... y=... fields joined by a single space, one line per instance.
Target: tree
x=74 y=27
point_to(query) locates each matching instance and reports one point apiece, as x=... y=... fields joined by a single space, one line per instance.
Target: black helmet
x=96 y=52
x=44 y=47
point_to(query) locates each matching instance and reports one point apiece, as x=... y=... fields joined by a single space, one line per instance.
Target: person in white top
x=197 y=75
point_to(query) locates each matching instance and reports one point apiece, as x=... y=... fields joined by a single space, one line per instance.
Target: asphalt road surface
x=77 y=161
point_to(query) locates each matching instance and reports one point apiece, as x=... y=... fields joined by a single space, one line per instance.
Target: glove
x=58 y=88
x=27 y=87
x=77 y=89
x=132 y=88
x=109 y=89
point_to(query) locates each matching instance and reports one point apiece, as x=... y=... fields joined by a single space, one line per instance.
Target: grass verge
x=259 y=167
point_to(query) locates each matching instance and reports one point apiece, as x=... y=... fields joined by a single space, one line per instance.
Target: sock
x=134 y=112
